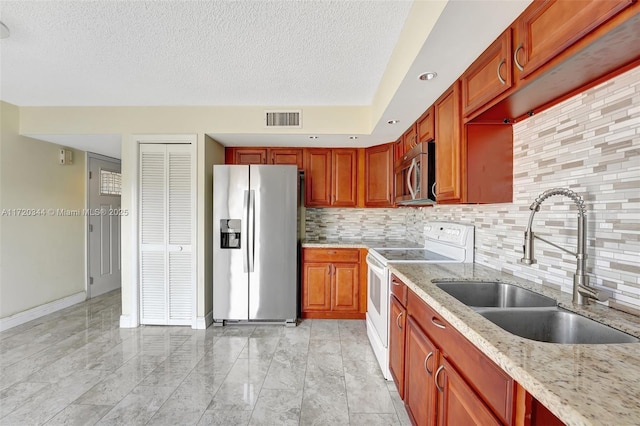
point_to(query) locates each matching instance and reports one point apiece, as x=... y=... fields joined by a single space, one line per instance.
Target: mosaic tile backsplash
x=589 y=143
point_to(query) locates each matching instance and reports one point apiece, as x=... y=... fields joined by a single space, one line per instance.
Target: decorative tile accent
x=589 y=143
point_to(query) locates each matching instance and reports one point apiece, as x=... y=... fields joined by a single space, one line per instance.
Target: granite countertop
x=581 y=384
x=359 y=243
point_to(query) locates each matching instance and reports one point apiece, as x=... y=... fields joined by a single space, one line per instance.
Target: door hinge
x=90 y=228
x=90 y=280
x=90 y=175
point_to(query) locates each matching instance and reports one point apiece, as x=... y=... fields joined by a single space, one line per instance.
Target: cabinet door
x=421 y=360
x=317 y=177
x=458 y=403
x=489 y=76
x=378 y=175
x=250 y=156
x=426 y=126
x=398 y=151
x=344 y=177
x=316 y=287
x=286 y=156
x=397 y=324
x=410 y=137
x=448 y=146
x=345 y=286
x=548 y=27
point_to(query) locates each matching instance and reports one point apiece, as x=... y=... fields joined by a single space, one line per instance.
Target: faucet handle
x=590 y=293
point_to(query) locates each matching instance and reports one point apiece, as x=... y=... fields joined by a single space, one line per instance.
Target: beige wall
x=42 y=258
x=213 y=154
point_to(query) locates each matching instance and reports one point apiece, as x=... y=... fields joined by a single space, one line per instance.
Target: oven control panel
x=454 y=233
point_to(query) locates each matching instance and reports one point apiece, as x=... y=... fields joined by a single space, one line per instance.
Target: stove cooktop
x=412 y=255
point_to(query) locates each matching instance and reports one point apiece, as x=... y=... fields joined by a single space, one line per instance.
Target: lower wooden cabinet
x=397 y=336
x=331 y=284
x=421 y=360
x=446 y=380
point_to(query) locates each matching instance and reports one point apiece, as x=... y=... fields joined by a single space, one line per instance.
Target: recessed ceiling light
x=393 y=121
x=353 y=137
x=430 y=75
x=4 y=30
x=313 y=137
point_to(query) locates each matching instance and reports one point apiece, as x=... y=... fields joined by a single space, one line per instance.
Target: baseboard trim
x=42 y=310
x=203 y=323
x=127 y=321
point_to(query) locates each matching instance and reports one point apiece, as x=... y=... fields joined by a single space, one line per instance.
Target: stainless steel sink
x=494 y=294
x=555 y=325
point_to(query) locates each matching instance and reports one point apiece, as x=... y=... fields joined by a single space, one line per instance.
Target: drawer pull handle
x=394 y=282
x=331 y=252
x=515 y=57
x=435 y=378
x=435 y=321
x=398 y=320
x=426 y=362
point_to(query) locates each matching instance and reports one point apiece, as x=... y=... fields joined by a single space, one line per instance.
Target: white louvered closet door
x=166 y=221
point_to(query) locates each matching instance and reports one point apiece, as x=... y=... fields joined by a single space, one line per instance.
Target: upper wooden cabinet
x=489 y=76
x=426 y=126
x=241 y=155
x=331 y=177
x=548 y=27
x=246 y=156
x=285 y=156
x=410 y=137
x=449 y=145
x=378 y=176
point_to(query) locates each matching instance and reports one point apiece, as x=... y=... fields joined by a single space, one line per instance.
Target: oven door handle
x=375 y=266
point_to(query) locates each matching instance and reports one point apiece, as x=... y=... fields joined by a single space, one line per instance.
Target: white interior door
x=104 y=225
x=167 y=207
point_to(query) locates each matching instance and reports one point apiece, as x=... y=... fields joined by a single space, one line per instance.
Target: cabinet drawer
x=494 y=386
x=399 y=290
x=331 y=255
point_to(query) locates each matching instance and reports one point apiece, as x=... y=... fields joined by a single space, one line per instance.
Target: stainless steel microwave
x=415 y=176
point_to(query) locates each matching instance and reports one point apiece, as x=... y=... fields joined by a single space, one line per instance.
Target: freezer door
x=230 y=261
x=273 y=243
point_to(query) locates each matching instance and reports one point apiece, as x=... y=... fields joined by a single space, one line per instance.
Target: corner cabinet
x=331 y=177
x=331 y=283
x=449 y=147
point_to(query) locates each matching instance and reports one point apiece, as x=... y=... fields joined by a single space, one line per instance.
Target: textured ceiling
x=243 y=53
x=112 y=53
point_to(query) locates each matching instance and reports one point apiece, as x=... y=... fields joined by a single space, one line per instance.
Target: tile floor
x=77 y=367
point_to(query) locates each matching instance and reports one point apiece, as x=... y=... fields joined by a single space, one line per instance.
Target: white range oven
x=445 y=242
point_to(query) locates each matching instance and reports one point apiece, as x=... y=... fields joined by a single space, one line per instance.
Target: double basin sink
x=531 y=315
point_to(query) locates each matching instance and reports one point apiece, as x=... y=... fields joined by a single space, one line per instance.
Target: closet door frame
x=133 y=299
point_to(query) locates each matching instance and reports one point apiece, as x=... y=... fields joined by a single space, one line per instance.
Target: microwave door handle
x=409 y=176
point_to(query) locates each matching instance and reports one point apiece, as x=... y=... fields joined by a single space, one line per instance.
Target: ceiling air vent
x=283 y=118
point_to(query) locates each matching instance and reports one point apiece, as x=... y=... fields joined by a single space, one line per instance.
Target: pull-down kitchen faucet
x=582 y=293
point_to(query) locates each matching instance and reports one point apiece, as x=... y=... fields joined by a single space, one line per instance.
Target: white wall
x=41 y=257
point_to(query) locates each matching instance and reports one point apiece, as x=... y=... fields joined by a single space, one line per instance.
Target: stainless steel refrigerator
x=255 y=258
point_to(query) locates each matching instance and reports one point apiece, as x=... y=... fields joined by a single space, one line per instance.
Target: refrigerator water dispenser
x=230 y=233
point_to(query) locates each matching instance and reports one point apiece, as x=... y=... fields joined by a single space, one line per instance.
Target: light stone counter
x=581 y=384
x=358 y=243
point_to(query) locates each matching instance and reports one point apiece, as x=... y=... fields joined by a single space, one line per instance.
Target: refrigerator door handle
x=245 y=215
x=252 y=228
